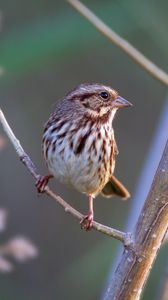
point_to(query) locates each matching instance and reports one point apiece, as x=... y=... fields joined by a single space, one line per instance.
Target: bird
x=79 y=145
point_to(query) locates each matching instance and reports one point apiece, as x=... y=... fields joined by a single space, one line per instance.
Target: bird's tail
x=115 y=187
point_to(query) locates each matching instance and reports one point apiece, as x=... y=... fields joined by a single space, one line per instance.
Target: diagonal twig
x=123 y=44
x=125 y=238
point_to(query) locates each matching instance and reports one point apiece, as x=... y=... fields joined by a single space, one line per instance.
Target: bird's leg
x=41 y=182
x=87 y=221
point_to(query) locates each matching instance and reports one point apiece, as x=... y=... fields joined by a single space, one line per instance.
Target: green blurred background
x=46 y=49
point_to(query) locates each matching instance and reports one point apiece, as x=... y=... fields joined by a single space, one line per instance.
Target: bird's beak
x=121 y=102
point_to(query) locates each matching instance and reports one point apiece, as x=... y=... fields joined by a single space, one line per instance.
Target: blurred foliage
x=37 y=43
x=45 y=49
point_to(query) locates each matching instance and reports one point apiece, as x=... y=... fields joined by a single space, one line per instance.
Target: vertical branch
x=135 y=264
x=145 y=181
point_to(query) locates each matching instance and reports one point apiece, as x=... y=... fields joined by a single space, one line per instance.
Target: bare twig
x=125 y=238
x=123 y=44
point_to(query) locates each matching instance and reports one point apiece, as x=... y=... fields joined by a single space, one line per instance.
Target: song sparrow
x=79 y=145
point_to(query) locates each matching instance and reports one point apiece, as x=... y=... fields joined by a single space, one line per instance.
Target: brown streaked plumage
x=79 y=144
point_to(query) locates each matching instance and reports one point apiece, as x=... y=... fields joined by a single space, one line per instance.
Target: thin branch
x=125 y=238
x=123 y=44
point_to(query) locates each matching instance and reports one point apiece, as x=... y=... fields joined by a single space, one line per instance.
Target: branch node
x=67 y=209
x=128 y=240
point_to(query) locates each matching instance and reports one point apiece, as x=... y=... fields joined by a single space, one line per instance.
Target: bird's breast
x=82 y=158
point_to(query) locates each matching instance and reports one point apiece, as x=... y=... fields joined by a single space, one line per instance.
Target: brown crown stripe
x=82 y=97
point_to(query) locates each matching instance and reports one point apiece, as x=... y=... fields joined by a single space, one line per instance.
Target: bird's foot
x=87 y=222
x=41 y=183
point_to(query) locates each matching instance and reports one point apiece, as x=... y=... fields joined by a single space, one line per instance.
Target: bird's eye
x=104 y=95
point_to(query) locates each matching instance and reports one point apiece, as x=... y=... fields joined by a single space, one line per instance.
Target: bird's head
x=97 y=99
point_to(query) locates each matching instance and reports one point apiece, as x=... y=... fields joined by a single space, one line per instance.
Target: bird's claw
x=41 y=183
x=87 y=222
